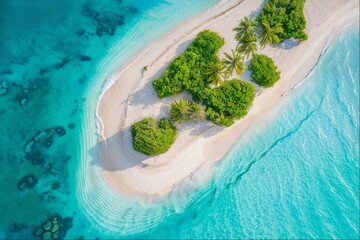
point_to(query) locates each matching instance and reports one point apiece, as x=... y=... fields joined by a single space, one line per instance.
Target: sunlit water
x=51 y=54
x=296 y=176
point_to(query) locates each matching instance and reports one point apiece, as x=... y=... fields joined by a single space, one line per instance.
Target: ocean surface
x=293 y=176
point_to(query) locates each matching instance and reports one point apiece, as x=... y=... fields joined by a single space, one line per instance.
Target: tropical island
x=228 y=67
x=201 y=73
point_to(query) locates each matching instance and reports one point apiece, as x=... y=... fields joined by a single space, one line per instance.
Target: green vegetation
x=180 y=111
x=152 y=138
x=197 y=112
x=233 y=62
x=194 y=71
x=270 y=35
x=247 y=44
x=187 y=71
x=287 y=13
x=199 y=67
x=246 y=26
x=230 y=101
x=214 y=73
x=185 y=111
x=264 y=71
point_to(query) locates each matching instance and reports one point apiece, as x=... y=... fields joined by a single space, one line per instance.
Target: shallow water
x=50 y=54
x=296 y=176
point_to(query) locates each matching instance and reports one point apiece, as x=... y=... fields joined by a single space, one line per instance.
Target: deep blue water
x=296 y=176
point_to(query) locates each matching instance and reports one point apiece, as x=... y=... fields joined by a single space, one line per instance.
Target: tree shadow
x=208 y=129
x=287 y=44
x=183 y=46
x=141 y=96
x=255 y=13
x=116 y=153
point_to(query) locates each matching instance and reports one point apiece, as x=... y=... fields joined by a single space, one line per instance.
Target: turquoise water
x=296 y=176
x=50 y=55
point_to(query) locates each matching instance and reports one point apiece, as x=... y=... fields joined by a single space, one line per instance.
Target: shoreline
x=109 y=83
x=143 y=175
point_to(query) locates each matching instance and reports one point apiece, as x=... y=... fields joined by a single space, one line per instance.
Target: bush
x=232 y=100
x=289 y=13
x=187 y=71
x=152 y=138
x=264 y=70
x=224 y=104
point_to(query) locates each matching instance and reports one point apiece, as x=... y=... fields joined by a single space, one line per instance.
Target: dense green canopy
x=195 y=70
x=230 y=101
x=187 y=71
x=289 y=14
x=152 y=138
x=264 y=71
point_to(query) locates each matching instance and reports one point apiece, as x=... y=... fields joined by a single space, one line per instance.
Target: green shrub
x=289 y=13
x=187 y=71
x=264 y=70
x=232 y=100
x=224 y=104
x=152 y=138
x=207 y=44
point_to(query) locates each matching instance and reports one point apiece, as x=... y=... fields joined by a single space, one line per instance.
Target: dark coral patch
x=35 y=148
x=85 y=58
x=54 y=228
x=62 y=63
x=27 y=182
x=4 y=88
x=55 y=185
x=106 y=24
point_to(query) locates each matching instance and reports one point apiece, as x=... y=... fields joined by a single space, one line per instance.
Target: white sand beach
x=131 y=96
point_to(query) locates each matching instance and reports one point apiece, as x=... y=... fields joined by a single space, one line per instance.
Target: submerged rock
x=60 y=131
x=27 y=182
x=35 y=148
x=84 y=58
x=106 y=24
x=48 y=225
x=71 y=125
x=55 y=185
x=4 y=87
x=17 y=227
x=47 y=235
x=62 y=63
x=23 y=101
x=39 y=231
x=54 y=228
x=80 y=32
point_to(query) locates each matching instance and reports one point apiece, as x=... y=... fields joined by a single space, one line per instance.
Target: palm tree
x=248 y=44
x=180 y=111
x=215 y=73
x=269 y=34
x=197 y=112
x=233 y=62
x=246 y=25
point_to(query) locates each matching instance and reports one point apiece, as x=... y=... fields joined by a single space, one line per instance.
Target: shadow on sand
x=117 y=153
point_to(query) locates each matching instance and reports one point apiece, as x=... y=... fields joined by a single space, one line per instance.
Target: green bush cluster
x=289 y=13
x=230 y=101
x=264 y=71
x=187 y=71
x=152 y=138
